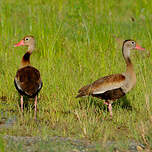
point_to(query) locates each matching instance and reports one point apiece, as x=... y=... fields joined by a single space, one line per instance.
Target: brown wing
x=103 y=84
x=28 y=80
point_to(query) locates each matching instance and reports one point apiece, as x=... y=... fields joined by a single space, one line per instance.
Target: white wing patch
x=18 y=84
x=40 y=86
x=109 y=86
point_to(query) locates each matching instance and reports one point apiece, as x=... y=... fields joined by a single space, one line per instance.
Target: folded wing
x=102 y=85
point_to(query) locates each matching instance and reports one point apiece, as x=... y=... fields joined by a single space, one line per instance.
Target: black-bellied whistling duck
x=27 y=80
x=112 y=87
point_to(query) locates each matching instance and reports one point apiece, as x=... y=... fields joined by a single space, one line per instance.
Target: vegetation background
x=77 y=42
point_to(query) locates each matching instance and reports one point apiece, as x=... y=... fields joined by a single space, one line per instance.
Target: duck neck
x=129 y=65
x=26 y=58
x=31 y=48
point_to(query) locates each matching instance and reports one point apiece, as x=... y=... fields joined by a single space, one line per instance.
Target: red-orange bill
x=139 y=47
x=19 y=43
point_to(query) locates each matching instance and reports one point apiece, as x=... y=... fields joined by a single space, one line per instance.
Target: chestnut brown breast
x=28 y=81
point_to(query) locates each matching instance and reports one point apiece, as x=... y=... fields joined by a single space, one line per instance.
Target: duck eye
x=133 y=42
x=26 y=39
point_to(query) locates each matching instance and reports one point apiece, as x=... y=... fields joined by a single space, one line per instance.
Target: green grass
x=77 y=42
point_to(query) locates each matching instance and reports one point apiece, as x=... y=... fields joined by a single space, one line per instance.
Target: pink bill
x=139 y=47
x=19 y=43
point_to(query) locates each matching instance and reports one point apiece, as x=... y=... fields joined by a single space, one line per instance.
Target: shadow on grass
x=124 y=103
x=98 y=103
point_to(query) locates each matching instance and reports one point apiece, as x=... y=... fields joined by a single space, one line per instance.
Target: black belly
x=110 y=95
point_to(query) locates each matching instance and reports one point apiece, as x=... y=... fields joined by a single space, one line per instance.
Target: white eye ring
x=133 y=42
x=27 y=39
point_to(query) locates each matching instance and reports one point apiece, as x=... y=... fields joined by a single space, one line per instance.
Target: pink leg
x=21 y=103
x=106 y=103
x=35 y=107
x=110 y=109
